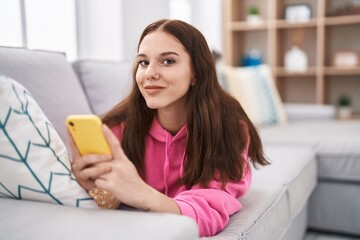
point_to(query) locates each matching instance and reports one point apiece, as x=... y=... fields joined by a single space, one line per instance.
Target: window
x=39 y=24
x=51 y=25
x=10 y=24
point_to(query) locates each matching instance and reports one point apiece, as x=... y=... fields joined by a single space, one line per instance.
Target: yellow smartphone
x=87 y=134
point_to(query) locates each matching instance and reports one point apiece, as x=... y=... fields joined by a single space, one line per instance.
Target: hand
x=123 y=181
x=87 y=168
x=119 y=176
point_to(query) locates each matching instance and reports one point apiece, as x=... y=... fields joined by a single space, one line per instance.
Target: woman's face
x=164 y=74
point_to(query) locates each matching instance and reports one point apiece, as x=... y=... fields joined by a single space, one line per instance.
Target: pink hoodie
x=164 y=160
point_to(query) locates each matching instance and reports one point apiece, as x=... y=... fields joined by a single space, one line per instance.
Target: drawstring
x=182 y=164
x=166 y=163
x=183 y=160
x=168 y=142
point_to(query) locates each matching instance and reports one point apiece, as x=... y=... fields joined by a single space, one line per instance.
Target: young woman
x=180 y=144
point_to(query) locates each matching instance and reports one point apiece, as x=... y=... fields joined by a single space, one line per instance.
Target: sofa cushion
x=50 y=79
x=309 y=112
x=32 y=220
x=298 y=227
x=334 y=206
x=34 y=162
x=336 y=143
x=278 y=194
x=255 y=89
x=295 y=168
x=265 y=214
x=105 y=83
x=315 y=235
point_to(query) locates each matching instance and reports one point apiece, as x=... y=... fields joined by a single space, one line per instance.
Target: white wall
x=206 y=15
x=100 y=29
x=111 y=29
x=104 y=30
x=136 y=15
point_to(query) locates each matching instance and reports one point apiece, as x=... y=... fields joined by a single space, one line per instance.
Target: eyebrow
x=161 y=54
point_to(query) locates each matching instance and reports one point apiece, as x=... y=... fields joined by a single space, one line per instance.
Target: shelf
x=282 y=72
x=330 y=71
x=245 y=26
x=325 y=35
x=286 y=24
x=336 y=71
x=354 y=116
x=328 y=21
x=342 y=20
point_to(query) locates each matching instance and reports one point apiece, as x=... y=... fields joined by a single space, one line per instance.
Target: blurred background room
x=325 y=33
x=294 y=65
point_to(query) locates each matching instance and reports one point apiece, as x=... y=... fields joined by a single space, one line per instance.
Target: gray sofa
x=313 y=181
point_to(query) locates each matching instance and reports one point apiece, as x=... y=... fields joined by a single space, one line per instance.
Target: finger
x=101 y=183
x=113 y=142
x=95 y=172
x=73 y=148
x=90 y=160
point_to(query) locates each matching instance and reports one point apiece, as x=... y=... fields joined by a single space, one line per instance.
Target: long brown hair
x=218 y=127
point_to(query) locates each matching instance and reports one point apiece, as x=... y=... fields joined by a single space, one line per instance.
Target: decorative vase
x=345 y=112
x=252 y=58
x=254 y=19
x=296 y=60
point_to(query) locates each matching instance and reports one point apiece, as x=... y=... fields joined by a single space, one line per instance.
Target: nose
x=151 y=72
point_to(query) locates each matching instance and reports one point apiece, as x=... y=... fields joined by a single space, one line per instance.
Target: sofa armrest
x=20 y=219
x=313 y=112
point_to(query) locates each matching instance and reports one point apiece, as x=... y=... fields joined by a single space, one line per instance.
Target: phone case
x=87 y=134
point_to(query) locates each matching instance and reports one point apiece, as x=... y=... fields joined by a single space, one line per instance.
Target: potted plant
x=253 y=15
x=344 y=107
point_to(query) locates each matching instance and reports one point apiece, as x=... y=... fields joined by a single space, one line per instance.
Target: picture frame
x=297 y=13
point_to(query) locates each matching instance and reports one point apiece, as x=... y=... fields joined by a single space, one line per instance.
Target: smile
x=153 y=89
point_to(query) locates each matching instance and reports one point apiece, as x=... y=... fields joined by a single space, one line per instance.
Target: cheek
x=184 y=81
x=181 y=87
x=138 y=77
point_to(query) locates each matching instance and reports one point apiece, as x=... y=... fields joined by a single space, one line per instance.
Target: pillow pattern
x=34 y=162
x=254 y=88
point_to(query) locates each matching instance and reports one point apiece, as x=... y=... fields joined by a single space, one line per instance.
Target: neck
x=172 y=121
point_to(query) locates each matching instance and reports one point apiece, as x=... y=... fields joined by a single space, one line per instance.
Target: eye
x=168 y=61
x=143 y=62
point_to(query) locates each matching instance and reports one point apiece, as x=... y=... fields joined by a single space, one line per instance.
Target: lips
x=153 y=89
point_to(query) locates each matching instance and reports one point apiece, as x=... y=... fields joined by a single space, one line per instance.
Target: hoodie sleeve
x=212 y=207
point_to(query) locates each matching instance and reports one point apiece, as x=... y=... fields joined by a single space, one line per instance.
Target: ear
x=193 y=82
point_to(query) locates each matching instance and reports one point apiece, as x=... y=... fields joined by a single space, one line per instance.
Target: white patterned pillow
x=254 y=88
x=34 y=162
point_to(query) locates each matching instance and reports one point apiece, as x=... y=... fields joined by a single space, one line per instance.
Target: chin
x=152 y=105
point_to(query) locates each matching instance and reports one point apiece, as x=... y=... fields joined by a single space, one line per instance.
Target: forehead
x=160 y=41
